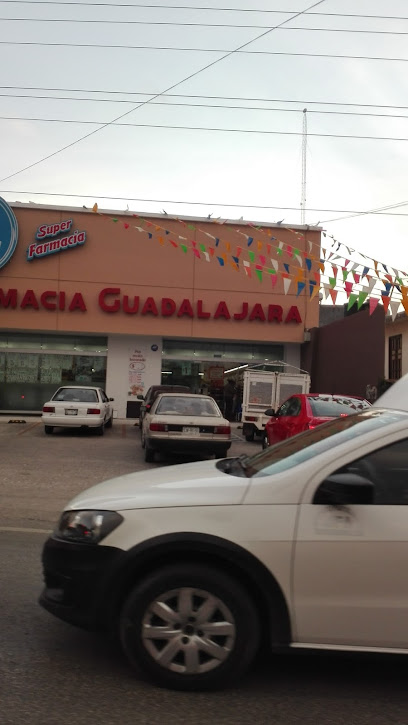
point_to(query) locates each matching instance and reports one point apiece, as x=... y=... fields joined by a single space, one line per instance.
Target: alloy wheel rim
x=189 y=631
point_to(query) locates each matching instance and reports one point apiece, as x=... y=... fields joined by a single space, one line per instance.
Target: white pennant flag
x=326 y=290
x=286 y=284
x=275 y=264
x=394 y=304
x=371 y=284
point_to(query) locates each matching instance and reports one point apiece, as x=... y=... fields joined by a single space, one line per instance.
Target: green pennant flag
x=259 y=274
x=251 y=256
x=345 y=274
x=271 y=271
x=183 y=247
x=352 y=299
x=279 y=251
x=361 y=298
x=203 y=247
x=115 y=220
x=191 y=226
x=332 y=282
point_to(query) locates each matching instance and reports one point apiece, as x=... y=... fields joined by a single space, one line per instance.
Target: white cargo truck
x=264 y=389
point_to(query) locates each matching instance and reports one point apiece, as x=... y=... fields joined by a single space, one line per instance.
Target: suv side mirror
x=270 y=412
x=140 y=397
x=344 y=489
x=111 y=399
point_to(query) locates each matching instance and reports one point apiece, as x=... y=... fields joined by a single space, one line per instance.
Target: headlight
x=87 y=526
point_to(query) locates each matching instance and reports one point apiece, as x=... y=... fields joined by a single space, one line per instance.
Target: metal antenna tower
x=304 y=148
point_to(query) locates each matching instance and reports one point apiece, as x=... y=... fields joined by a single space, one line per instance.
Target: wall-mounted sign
x=65 y=239
x=110 y=300
x=8 y=232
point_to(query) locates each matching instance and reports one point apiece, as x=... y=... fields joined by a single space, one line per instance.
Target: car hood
x=187 y=484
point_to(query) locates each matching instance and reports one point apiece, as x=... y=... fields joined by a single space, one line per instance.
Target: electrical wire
x=203 y=105
x=201 y=25
x=206 y=128
x=190 y=95
x=201 y=203
x=195 y=7
x=166 y=90
x=203 y=50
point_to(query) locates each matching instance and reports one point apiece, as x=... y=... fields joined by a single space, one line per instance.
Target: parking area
x=40 y=473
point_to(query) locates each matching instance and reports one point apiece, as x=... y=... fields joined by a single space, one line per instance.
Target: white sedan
x=185 y=423
x=303 y=545
x=74 y=406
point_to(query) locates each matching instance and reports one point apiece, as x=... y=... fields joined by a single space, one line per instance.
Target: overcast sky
x=215 y=168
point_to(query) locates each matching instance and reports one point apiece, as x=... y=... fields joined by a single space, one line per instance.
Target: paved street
x=52 y=673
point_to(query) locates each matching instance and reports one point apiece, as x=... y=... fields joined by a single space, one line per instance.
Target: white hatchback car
x=73 y=406
x=303 y=545
x=185 y=423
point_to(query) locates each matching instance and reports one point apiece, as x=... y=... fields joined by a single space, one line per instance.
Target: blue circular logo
x=154 y=348
x=8 y=232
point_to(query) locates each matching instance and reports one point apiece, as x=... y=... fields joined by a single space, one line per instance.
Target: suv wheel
x=190 y=627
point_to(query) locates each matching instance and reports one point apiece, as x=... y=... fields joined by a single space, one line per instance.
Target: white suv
x=305 y=544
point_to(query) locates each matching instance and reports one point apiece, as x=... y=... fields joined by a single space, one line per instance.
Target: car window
x=104 y=397
x=300 y=448
x=283 y=409
x=186 y=406
x=387 y=469
x=327 y=406
x=76 y=395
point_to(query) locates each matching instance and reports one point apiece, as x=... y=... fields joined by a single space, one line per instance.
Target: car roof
x=83 y=387
x=185 y=395
x=396 y=397
x=333 y=396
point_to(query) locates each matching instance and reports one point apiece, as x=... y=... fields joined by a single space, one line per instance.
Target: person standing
x=229 y=392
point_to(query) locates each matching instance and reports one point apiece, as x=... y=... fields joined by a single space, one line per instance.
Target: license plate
x=191 y=431
x=71 y=412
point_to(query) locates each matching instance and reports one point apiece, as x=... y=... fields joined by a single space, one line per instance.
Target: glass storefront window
x=28 y=379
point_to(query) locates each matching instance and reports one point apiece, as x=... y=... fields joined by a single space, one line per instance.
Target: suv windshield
x=304 y=446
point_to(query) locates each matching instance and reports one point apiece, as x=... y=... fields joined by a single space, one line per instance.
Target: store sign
x=111 y=301
x=8 y=232
x=58 y=236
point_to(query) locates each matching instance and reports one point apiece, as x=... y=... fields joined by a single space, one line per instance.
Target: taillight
x=93 y=411
x=250 y=417
x=158 y=427
x=48 y=409
x=148 y=406
x=311 y=426
x=223 y=429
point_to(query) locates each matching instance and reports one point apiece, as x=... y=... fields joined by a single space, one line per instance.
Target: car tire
x=265 y=442
x=48 y=429
x=250 y=436
x=109 y=423
x=200 y=657
x=149 y=454
x=100 y=430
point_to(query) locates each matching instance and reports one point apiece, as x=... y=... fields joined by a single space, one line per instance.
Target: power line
x=202 y=105
x=195 y=7
x=166 y=90
x=201 y=203
x=204 y=25
x=203 y=50
x=190 y=95
x=205 y=128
